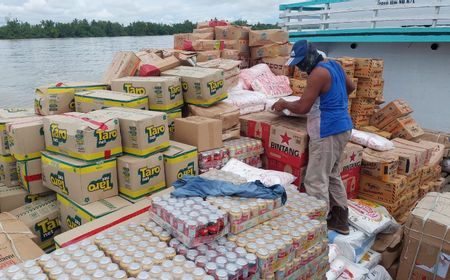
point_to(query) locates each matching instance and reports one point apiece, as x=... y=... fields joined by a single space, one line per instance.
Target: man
x=325 y=102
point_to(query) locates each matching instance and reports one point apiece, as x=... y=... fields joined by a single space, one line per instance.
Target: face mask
x=311 y=60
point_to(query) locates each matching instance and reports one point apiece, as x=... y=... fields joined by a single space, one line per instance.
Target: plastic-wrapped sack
x=378 y=273
x=353 y=246
x=250 y=74
x=286 y=112
x=251 y=174
x=341 y=269
x=370 y=218
x=333 y=252
x=370 y=259
x=371 y=140
x=276 y=86
x=247 y=101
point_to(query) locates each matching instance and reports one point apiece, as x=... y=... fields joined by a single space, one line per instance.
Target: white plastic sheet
x=271 y=101
x=247 y=101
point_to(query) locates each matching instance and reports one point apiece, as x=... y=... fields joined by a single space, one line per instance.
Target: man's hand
x=280 y=105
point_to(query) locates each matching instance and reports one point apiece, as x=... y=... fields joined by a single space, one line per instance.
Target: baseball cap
x=298 y=53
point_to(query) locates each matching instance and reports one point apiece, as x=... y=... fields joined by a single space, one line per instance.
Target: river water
x=27 y=64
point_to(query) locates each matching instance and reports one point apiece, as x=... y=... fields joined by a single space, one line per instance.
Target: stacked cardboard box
x=180 y=160
x=230 y=70
x=153 y=62
x=87 y=101
x=395 y=118
x=236 y=43
x=123 y=64
x=349 y=65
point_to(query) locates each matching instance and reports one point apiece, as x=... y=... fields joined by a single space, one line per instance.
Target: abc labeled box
x=26 y=139
x=81 y=181
x=74 y=215
x=42 y=218
x=143 y=132
x=30 y=176
x=59 y=98
x=140 y=176
x=200 y=86
x=87 y=101
x=8 y=171
x=82 y=137
x=180 y=160
x=164 y=93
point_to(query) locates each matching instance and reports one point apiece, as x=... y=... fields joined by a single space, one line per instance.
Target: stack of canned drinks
x=245 y=149
x=215 y=174
x=192 y=220
x=245 y=213
x=221 y=259
x=305 y=205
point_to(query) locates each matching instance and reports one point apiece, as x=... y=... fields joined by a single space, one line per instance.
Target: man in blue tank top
x=325 y=102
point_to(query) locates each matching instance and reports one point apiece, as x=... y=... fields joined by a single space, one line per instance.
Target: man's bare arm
x=349 y=85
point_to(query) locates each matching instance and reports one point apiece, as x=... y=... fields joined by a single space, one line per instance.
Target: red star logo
x=258 y=132
x=285 y=138
x=352 y=157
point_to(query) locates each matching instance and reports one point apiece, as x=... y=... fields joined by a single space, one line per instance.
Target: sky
x=126 y=11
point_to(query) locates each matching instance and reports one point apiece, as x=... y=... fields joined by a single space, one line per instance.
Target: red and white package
x=250 y=74
x=277 y=86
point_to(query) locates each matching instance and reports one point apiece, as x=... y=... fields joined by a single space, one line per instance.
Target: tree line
x=15 y=29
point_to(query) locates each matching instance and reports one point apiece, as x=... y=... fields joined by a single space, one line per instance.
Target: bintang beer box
x=74 y=215
x=427 y=239
x=351 y=168
x=270 y=36
x=164 y=93
x=26 y=139
x=87 y=101
x=258 y=125
x=81 y=181
x=124 y=64
x=8 y=171
x=200 y=86
x=42 y=218
x=30 y=176
x=140 y=176
x=143 y=132
x=4 y=138
x=59 y=98
x=180 y=160
x=81 y=137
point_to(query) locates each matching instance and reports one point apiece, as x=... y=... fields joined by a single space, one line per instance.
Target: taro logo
x=153 y=132
x=146 y=173
x=58 y=135
x=105 y=184
x=188 y=170
x=47 y=228
x=104 y=137
x=184 y=86
x=73 y=222
x=128 y=87
x=58 y=181
x=174 y=91
x=215 y=86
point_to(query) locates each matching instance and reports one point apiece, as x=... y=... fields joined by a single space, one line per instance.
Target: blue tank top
x=329 y=115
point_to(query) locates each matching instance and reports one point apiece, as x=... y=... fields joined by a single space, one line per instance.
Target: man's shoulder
x=320 y=73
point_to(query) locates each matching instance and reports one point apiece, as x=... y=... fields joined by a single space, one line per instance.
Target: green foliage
x=15 y=29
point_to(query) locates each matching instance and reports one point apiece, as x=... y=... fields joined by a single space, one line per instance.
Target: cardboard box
x=390 y=246
x=231 y=82
x=269 y=36
x=30 y=176
x=179 y=40
x=153 y=63
x=369 y=68
x=389 y=113
x=239 y=45
x=202 y=36
x=426 y=236
x=123 y=64
x=231 y=32
x=15 y=113
x=142 y=132
x=171 y=116
x=42 y=218
x=271 y=50
x=8 y=171
x=74 y=215
x=229 y=54
x=140 y=176
x=201 y=86
x=258 y=125
x=203 y=30
x=16 y=245
x=288 y=142
x=26 y=139
x=370 y=87
x=277 y=64
x=203 y=133
x=164 y=93
x=436 y=136
x=87 y=101
x=380 y=191
x=409 y=161
x=381 y=165
x=4 y=141
x=207 y=45
x=298 y=86
x=59 y=98
x=208 y=55
x=348 y=65
x=81 y=137
x=230 y=67
x=232 y=133
x=404 y=127
x=15 y=197
x=81 y=181
x=426 y=148
x=180 y=160
x=350 y=164
x=228 y=114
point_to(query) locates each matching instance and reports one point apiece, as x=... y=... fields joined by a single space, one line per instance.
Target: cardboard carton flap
x=11 y=227
x=220 y=63
x=177 y=148
x=110 y=95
